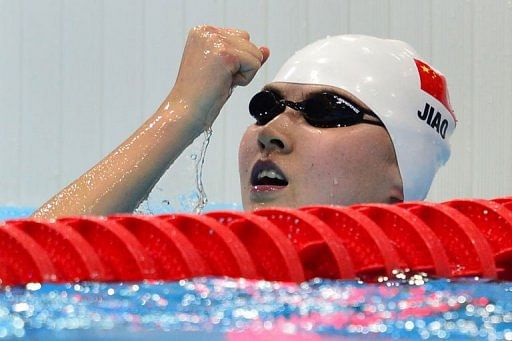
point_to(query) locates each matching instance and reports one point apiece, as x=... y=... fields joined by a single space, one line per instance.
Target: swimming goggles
x=322 y=110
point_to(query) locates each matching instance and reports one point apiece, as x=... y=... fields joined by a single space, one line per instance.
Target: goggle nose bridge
x=280 y=107
x=298 y=106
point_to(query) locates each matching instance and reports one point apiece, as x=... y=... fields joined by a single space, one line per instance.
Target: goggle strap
x=377 y=123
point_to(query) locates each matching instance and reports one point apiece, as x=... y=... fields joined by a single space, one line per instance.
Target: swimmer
x=348 y=119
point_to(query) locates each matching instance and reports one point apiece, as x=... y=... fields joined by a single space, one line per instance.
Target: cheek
x=322 y=158
x=337 y=163
x=356 y=162
x=324 y=180
x=324 y=168
x=246 y=151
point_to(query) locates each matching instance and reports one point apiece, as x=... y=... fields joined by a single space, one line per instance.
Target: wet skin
x=322 y=166
x=340 y=166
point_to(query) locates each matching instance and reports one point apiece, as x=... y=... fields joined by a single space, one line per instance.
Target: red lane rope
x=469 y=253
x=494 y=221
x=274 y=255
x=415 y=242
x=322 y=253
x=458 y=238
x=72 y=256
x=372 y=253
x=175 y=257
x=223 y=252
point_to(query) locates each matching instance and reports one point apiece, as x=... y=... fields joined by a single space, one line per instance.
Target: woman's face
x=288 y=162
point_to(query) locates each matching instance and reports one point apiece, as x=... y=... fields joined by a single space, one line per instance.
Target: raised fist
x=214 y=61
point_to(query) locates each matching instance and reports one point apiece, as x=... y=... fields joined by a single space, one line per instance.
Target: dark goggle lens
x=264 y=106
x=329 y=110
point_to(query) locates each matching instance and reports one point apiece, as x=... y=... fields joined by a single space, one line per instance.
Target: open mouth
x=266 y=175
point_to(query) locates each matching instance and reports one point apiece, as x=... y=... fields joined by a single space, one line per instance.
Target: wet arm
x=124 y=178
x=214 y=61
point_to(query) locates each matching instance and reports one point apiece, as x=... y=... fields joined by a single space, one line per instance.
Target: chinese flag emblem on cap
x=434 y=84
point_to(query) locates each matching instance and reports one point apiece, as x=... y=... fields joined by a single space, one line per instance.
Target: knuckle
x=195 y=30
x=228 y=56
x=208 y=28
x=244 y=33
x=202 y=30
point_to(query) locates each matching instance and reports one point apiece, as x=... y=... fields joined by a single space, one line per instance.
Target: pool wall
x=78 y=77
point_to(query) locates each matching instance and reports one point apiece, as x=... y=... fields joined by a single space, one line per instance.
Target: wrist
x=182 y=112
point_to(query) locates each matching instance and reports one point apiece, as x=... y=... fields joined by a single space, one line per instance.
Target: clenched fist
x=214 y=61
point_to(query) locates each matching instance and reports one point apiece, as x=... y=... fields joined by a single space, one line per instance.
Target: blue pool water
x=221 y=308
x=9 y=212
x=410 y=307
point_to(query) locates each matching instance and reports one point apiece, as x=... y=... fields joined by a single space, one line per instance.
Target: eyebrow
x=275 y=90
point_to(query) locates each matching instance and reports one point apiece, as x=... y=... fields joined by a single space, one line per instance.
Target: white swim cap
x=409 y=97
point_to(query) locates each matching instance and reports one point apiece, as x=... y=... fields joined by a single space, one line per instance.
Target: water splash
x=202 y=198
x=143 y=208
x=189 y=199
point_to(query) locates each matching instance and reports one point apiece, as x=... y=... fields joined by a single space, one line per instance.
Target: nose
x=275 y=136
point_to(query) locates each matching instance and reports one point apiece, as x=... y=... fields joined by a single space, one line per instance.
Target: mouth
x=267 y=177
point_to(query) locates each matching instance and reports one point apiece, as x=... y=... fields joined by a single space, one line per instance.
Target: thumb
x=266 y=53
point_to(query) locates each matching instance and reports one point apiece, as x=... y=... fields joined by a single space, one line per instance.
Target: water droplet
x=203 y=200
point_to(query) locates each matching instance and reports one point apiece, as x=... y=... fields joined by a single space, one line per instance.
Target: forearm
x=124 y=178
x=214 y=61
